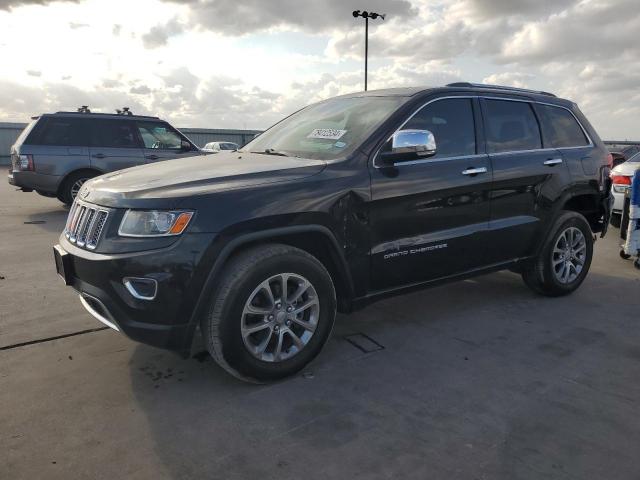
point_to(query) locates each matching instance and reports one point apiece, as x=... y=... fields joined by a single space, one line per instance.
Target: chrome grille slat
x=94 y=237
x=85 y=225
x=78 y=221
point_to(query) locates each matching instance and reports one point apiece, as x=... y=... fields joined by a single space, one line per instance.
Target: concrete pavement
x=477 y=379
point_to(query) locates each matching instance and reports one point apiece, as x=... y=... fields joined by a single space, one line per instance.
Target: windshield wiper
x=272 y=151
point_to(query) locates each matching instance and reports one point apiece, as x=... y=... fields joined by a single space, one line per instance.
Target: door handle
x=552 y=161
x=98 y=155
x=474 y=171
x=151 y=157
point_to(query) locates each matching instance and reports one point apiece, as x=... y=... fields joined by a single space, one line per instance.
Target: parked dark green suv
x=57 y=152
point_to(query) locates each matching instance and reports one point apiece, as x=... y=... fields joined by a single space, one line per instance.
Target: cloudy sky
x=247 y=63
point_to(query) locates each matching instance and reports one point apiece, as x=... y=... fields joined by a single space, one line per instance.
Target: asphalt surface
x=480 y=379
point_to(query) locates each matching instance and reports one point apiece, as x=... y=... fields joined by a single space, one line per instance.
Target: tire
x=46 y=194
x=69 y=188
x=549 y=274
x=616 y=220
x=243 y=288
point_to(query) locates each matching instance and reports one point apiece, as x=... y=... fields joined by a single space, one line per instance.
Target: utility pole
x=367 y=15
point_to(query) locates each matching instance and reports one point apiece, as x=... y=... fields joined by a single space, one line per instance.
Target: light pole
x=367 y=15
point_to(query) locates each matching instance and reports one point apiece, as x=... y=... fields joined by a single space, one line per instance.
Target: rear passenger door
x=561 y=130
x=114 y=145
x=161 y=141
x=59 y=145
x=528 y=177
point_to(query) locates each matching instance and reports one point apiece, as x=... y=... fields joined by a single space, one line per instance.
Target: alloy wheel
x=77 y=185
x=569 y=255
x=280 y=317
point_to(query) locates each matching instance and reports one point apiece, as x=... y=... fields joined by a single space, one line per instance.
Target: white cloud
x=159 y=35
x=235 y=63
x=240 y=17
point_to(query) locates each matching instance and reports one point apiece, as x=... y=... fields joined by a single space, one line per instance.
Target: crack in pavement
x=49 y=339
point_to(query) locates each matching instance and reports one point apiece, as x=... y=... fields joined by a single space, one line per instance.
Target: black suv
x=57 y=152
x=344 y=202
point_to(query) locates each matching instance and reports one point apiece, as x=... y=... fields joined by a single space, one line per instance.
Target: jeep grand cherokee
x=344 y=202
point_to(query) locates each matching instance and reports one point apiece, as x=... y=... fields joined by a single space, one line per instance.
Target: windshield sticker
x=327 y=133
x=339 y=144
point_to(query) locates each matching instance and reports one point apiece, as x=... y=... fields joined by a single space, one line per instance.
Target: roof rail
x=498 y=87
x=122 y=113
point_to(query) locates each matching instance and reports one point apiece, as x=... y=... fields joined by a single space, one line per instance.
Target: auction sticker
x=327 y=133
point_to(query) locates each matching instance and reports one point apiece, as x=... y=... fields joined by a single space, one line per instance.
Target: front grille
x=85 y=225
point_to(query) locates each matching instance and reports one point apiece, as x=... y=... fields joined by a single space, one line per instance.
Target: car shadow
x=203 y=420
x=49 y=220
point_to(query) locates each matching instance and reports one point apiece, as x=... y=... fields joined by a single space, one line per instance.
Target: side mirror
x=408 y=145
x=185 y=146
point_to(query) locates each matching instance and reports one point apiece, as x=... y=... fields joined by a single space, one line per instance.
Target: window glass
x=635 y=158
x=159 y=135
x=560 y=128
x=24 y=137
x=511 y=126
x=113 y=133
x=327 y=130
x=62 y=131
x=227 y=146
x=451 y=122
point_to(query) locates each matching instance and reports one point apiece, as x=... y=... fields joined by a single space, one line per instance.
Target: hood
x=626 y=168
x=198 y=175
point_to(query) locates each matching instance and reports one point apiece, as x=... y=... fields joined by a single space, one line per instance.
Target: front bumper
x=618 y=201
x=166 y=321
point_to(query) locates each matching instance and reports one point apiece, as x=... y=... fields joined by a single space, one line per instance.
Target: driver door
x=429 y=216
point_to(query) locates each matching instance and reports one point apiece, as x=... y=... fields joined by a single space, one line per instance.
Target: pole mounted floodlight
x=367 y=15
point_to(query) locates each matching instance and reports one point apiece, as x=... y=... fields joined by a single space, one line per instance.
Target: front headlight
x=154 y=223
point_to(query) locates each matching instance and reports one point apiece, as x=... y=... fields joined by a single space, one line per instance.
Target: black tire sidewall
x=551 y=283
x=234 y=351
x=616 y=220
x=65 y=192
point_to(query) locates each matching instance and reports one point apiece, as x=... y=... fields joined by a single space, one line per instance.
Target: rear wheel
x=616 y=220
x=72 y=185
x=271 y=314
x=565 y=258
x=45 y=194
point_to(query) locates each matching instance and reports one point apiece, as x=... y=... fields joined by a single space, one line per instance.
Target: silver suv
x=57 y=152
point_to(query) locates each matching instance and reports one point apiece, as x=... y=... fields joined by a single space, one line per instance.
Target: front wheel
x=565 y=258
x=272 y=312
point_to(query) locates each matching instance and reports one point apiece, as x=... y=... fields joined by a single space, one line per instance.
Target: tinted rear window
x=560 y=128
x=24 y=137
x=60 y=131
x=114 y=133
x=511 y=126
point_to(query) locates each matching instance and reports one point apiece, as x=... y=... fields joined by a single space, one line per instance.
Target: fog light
x=141 y=288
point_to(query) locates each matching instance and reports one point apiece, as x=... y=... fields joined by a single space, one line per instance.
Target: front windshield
x=326 y=130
